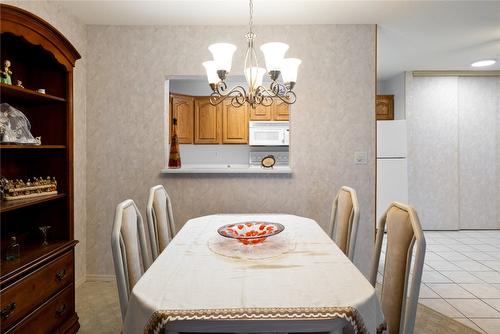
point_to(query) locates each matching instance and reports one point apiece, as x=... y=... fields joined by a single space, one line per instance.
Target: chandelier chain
x=250 y=23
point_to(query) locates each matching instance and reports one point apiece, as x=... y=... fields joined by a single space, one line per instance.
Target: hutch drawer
x=25 y=295
x=50 y=316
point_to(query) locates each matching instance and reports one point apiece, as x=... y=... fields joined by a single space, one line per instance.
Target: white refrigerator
x=392 y=168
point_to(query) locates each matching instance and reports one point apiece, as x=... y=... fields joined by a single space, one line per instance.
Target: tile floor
x=461 y=277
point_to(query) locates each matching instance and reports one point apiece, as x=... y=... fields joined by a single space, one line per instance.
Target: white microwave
x=269 y=133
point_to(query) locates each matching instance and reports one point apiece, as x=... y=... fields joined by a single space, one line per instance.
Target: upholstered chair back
x=130 y=251
x=399 y=295
x=160 y=219
x=344 y=220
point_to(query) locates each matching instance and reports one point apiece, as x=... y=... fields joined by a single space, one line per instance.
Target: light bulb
x=274 y=53
x=289 y=69
x=254 y=76
x=223 y=55
x=212 y=76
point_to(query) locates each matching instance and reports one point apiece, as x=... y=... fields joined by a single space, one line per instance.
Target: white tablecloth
x=313 y=281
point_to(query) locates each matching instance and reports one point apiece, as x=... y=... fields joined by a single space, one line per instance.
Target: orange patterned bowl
x=250 y=233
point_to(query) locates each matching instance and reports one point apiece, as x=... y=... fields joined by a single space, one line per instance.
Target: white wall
x=453 y=144
x=395 y=86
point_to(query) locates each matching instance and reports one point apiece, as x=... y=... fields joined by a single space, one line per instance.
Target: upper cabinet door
x=234 y=124
x=182 y=109
x=207 y=122
x=280 y=110
x=260 y=113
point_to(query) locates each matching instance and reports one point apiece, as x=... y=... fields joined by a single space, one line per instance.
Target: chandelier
x=255 y=94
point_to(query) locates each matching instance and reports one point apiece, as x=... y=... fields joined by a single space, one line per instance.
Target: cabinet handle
x=60 y=274
x=61 y=310
x=7 y=310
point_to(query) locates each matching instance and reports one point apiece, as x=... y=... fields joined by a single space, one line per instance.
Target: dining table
x=295 y=281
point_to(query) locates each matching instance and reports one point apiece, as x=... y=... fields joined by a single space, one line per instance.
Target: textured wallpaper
x=333 y=118
x=76 y=33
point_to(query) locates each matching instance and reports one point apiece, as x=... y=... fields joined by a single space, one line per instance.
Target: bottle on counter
x=174 y=160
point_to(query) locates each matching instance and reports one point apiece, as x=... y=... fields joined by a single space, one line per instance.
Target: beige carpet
x=99 y=311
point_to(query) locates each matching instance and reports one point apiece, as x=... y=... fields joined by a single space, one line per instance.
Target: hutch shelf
x=37 y=290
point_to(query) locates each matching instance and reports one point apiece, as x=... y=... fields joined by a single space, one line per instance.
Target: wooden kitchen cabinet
x=260 y=113
x=234 y=124
x=280 y=110
x=384 y=107
x=182 y=107
x=207 y=121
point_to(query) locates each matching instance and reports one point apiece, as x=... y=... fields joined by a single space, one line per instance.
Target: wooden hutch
x=37 y=291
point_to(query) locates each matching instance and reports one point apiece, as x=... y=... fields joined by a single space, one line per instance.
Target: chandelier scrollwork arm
x=220 y=93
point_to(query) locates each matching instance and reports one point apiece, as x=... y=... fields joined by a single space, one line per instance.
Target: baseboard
x=80 y=281
x=100 y=278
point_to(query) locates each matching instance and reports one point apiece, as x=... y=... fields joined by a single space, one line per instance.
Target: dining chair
x=160 y=219
x=401 y=283
x=128 y=244
x=344 y=220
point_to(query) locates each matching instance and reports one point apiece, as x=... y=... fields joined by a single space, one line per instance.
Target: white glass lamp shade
x=223 y=55
x=254 y=76
x=289 y=69
x=212 y=76
x=274 y=53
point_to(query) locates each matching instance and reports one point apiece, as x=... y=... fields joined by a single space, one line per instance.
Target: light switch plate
x=360 y=158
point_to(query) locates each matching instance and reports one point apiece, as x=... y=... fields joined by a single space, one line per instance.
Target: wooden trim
x=39 y=32
x=455 y=73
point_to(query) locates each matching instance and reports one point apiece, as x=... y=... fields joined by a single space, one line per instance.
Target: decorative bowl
x=251 y=232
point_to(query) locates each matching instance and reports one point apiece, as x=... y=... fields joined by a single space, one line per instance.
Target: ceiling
x=412 y=35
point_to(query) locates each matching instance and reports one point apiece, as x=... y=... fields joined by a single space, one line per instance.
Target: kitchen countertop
x=227 y=169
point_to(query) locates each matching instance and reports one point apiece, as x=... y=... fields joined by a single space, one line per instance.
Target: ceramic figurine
x=6 y=73
x=19 y=83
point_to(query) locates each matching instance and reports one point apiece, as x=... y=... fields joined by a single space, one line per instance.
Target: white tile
x=469 y=324
x=462 y=248
x=490 y=326
x=461 y=277
x=431 y=256
x=495 y=264
x=426 y=292
x=495 y=303
x=438 y=248
x=480 y=256
x=483 y=290
x=495 y=255
x=474 y=308
x=426 y=268
x=434 y=277
x=443 y=265
x=441 y=306
x=472 y=265
x=471 y=241
x=453 y=256
x=450 y=290
x=486 y=248
x=488 y=276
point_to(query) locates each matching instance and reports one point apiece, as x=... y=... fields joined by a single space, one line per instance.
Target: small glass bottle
x=13 y=250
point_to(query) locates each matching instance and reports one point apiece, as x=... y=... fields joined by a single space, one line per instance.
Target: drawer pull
x=61 y=310
x=7 y=310
x=60 y=274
